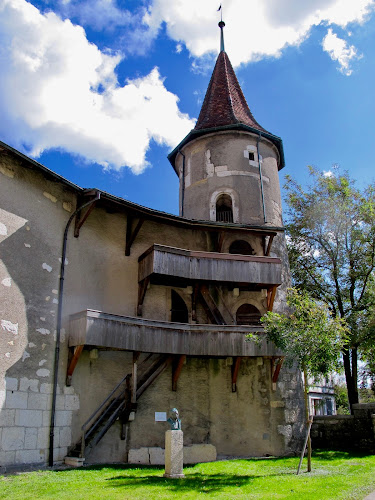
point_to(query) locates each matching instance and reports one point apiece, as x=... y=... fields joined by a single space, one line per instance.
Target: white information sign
x=160 y=416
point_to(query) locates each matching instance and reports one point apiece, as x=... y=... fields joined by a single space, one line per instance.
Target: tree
x=331 y=243
x=309 y=336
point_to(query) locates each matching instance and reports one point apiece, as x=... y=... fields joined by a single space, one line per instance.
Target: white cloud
x=57 y=90
x=253 y=29
x=339 y=50
x=328 y=173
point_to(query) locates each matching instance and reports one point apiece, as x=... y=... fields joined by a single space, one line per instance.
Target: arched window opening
x=241 y=247
x=179 y=311
x=224 y=209
x=247 y=314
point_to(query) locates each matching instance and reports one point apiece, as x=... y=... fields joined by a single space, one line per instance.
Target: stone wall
x=346 y=432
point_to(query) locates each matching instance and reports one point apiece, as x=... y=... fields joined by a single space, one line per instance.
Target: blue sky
x=100 y=91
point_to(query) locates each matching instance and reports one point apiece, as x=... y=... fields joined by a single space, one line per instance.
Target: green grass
x=335 y=475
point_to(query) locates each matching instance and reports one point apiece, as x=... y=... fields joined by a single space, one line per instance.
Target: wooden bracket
x=194 y=297
x=142 y=289
x=220 y=241
x=177 y=365
x=235 y=370
x=74 y=354
x=131 y=233
x=271 y=292
x=82 y=217
x=134 y=380
x=276 y=364
x=270 y=240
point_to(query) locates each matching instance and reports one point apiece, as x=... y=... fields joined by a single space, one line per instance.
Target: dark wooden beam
x=276 y=364
x=153 y=376
x=142 y=288
x=220 y=241
x=271 y=297
x=194 y=297
x=81 y=218
x=134 y=381
x=270 y=240
x=235 y=370
x=131 y=233
x=177 y=365
x=74 y=354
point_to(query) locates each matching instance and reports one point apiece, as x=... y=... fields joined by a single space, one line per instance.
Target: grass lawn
x=337 y=475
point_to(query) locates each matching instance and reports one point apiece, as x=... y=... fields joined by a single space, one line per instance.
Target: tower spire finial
x=221 y=26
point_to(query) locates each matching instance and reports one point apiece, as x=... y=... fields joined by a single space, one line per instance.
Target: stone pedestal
x=174 y=463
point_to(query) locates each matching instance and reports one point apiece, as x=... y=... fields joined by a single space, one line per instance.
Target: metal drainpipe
x=58 y=327
x=261 y=179
x=183 y=183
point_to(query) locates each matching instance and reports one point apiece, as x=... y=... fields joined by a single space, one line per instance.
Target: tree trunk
x=306 y=393
x=351 y=382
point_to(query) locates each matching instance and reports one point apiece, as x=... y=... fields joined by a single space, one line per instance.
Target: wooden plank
x=176 y=370
x=77 y=351
x=235 y=370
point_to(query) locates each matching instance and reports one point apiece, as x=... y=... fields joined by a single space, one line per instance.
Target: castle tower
x=228 y=164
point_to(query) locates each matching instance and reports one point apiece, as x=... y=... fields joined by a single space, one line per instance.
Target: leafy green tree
x=331 y=243
x=309 y=336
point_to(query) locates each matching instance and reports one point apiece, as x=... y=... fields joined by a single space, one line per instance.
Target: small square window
x=251 y=156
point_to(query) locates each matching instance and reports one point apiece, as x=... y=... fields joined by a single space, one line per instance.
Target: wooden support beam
x=194 y=297
x=177 y=365
x=220 y=241
x=134 y=381
x=142 y=288
x=271 y=292
x=235 y=370
x=270 y=240
x=131 y=233
x=81 y=218
x=276 y=364
x=153 y=376
x=74 y=354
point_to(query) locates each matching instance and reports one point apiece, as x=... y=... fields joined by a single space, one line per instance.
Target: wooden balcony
x=99 y=329
x=167 y=265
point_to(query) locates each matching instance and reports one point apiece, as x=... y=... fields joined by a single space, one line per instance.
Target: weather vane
x=221 y=13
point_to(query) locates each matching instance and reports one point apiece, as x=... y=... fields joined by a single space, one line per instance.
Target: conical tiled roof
x=224 y=103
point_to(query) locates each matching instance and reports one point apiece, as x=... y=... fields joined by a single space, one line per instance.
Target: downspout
x=261 y=179
x=183 y=183
x=58 y=327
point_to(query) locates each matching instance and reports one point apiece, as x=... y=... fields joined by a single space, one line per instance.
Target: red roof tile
x=224 y=103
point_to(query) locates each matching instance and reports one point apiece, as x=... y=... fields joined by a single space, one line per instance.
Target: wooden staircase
x=217 y=315
x=121 y=401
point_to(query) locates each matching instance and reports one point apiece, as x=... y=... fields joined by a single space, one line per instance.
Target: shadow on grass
x=192 y=482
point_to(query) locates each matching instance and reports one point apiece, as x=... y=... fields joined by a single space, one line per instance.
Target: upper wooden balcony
x=168 y=265
x=95 y=328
